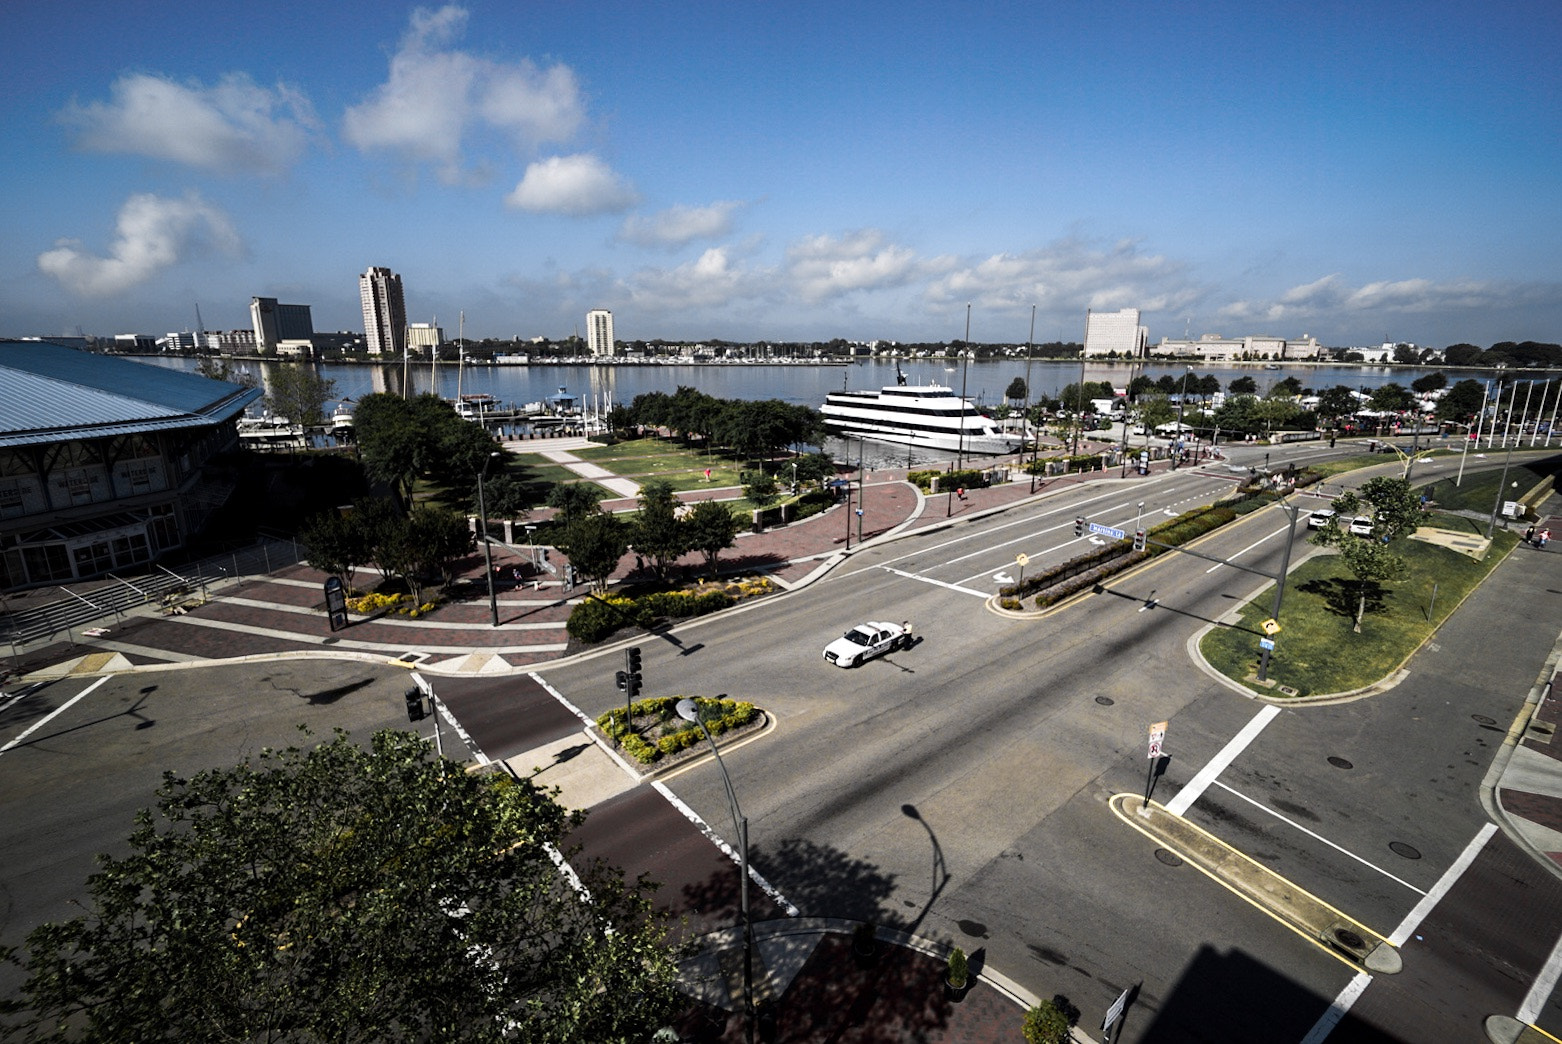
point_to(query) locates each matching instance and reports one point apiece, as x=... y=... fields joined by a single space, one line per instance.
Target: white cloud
x=1067 y=274
x=677 y=226
x=436 y=96
x=235 y=126
x=1330 y=298
x=713 y=281
x=154 y=233
x=579 y=185
x=822 y=267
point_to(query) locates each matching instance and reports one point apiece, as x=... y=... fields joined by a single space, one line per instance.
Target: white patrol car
x=865 y=641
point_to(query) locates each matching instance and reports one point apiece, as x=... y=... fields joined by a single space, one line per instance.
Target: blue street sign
x=1107 y=531
x=1266 y=643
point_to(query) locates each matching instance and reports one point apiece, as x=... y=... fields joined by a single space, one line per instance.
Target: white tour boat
x=928 y=415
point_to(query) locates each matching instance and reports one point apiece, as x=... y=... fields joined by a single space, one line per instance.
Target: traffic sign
x=1271 y=627
x=1107 y=531
x=1022 y=559
x=1157 y=738
x=1267 y=644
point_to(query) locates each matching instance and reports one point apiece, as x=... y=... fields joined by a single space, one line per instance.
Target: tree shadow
x=1341 y=595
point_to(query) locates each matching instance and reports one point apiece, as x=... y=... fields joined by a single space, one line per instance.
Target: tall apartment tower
x=384 y=312
x=599 y=331
x=1120 y=332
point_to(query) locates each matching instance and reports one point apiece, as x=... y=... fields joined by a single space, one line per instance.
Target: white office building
x=599 y=332
x=384 y=312
x=1114 y=333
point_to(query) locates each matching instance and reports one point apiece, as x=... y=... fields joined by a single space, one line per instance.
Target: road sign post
x=1157 y=739
x=1114 y=1013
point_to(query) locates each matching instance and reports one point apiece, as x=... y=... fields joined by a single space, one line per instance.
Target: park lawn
x=1316 y=652
x=1478 y=490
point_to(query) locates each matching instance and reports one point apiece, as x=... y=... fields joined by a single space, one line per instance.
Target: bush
x=675 y=734
x=1045 y=1024
x=594 y=619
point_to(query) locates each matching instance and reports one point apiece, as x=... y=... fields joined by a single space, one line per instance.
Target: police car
x=865 y=641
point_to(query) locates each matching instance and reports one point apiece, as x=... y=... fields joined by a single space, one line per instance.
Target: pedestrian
x=1543 y=539
x=1529 y=535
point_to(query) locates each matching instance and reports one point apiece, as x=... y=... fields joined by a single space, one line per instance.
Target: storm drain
x=1346 y=940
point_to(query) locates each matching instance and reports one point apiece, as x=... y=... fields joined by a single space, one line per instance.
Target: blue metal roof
x=49 y=393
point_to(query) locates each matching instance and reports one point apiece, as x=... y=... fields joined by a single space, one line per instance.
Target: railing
x=85 y=606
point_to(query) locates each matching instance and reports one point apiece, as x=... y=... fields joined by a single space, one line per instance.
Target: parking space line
x=1319 y=837
x=41 y=722
x=1179 y=805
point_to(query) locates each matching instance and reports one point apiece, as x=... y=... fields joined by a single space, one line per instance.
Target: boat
x=928 y=415
x=476 y=407
x=342 y=416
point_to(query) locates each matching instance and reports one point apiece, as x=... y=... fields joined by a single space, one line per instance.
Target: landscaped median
x=1317 y=652
x=656 y=733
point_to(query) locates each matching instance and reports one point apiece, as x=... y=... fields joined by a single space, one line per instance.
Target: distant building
x=105 y=463
x=1119 y=333
x=384 y=312
x=599 y=331
x=136 y=343
x=281 y=329
x=1215 y=348
x=425 y=335
x=235 y=342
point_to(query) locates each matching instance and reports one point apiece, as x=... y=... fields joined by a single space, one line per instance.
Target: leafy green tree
x=1392 y=398
x=1289 y=386
x=1276 y=412
x=711 y=529
x=504 y=496
x=1240 y=413
x=334 y=544
x=1463 y=355
x=658 y=533
x=574 y=500
x=299 y=393
x=814 y=467
x=760 y=488
x=398 y=438
x=1429 y=382
x=1336 y=402
x=1016 y=390
x=436 y=537
x=594 y=543
x=351 y=895
x=1243 y=385
x=1461 y=402
x=1395 y=511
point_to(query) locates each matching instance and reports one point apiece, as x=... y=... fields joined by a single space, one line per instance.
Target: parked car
x=865 y=641
x=1361 y=525
x=1320 y=518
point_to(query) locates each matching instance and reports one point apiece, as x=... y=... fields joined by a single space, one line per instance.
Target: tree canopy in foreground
x=345 y=894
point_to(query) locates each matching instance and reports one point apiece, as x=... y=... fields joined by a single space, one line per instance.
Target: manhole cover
x=1105 y=701
x=1340 y=763
x=1483 y=719
x=1401 y=849
x=1349 y=939
x=1169 y=858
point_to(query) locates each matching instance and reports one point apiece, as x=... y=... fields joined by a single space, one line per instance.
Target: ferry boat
x=927 y=415
x=342 y=417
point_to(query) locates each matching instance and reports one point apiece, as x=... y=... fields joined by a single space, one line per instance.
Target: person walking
x=1543 y=539
x=1529 y=535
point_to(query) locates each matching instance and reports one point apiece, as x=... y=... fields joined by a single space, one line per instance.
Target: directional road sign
x=1108 y=531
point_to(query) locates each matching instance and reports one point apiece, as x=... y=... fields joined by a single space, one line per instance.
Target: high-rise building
x=1115 y=332
x=599 y=331
x=384 y=312
x=285 y=329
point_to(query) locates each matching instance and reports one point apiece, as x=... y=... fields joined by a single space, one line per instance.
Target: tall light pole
x=488 y=554
x=965 y=358
x=1025 y=417
x=688 y=711
x=1182 y=398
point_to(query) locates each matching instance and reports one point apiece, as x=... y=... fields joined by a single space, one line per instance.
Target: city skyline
x=1358 y=173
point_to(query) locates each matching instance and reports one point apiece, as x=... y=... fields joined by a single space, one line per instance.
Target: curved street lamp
x=689 y=711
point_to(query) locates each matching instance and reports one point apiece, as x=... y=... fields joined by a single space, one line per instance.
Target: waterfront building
x=384 y=312
x=425 y=335
x=1215 y=348
x=105 y=463
x=599 y=332
x=281 y=329
x=1114 y=333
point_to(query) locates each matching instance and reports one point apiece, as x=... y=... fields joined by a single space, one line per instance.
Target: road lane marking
x=1397 y=938
x=1185 y=798
x=984 y=595
x=41 y=722
x=716 y=839
x=1319 y=837
x=1250 y=547
x=1540 y=989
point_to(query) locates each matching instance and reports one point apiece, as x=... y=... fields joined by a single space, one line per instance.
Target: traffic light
x=415 y=709
x=1079 y=526
x=621 y=679
x=632 y=671
x=1138 y=540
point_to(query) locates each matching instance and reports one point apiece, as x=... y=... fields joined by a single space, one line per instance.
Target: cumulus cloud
x=579 y=185
x=715 y=280
x=678 y=226
x=822 y=267
x=234 y=126
x=153 y=233
x=437 y=96
x=1063 y=274
x=1332 y=296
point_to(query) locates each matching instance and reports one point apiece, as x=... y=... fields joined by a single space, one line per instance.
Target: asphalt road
x=959 y=789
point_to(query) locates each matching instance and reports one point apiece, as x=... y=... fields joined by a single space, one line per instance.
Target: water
x=599 y=387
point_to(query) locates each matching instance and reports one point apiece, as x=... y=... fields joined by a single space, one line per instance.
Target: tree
x=1289 y=386
x=710 y=530
x=1461 y=402
x=299 y=393
x=1395 y=511
x=657 y=531
x=574 y=500
x=1243 y=385
x=399 y=438
x=349 y=894
x=594 y=544
x=1429 y=382
x=1016 y=390
x=1336 y=402
x=760 y=488
x=1391 y=398
x=436 y=538
x=334 y=544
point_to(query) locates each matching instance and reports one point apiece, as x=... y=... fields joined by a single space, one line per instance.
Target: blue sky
x=1359 y=171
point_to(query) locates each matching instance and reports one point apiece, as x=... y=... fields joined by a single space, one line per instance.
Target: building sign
x=336 y=602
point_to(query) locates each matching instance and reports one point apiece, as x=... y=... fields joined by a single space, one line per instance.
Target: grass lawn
x=1316 y=652
x=643 y=460
x=1478 y=491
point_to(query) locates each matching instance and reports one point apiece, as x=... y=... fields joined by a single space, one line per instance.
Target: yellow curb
x=1337 y=934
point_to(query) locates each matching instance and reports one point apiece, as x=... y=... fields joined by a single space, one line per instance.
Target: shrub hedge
x=718 y=716
x=597 y=617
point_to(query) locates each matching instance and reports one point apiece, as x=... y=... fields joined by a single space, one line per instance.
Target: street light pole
x=1285 y=570
x=488 y=554
x=689 y=711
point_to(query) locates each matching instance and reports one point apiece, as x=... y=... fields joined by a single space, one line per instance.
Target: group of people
x=1539 y=539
